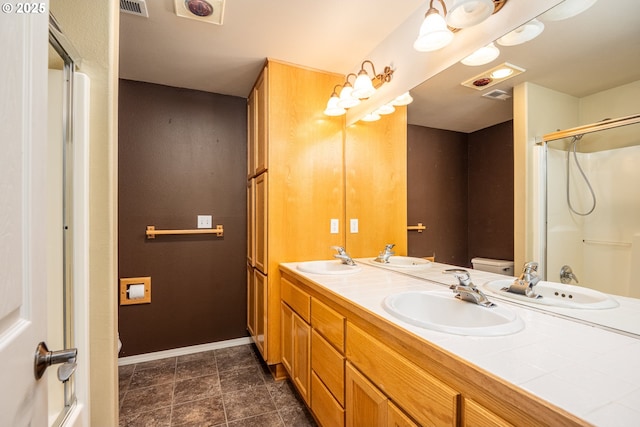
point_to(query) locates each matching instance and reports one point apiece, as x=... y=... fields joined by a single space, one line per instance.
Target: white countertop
x=588 y=371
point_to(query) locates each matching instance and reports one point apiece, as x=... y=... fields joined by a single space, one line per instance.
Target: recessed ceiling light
x=493 y=76
x=501 y=73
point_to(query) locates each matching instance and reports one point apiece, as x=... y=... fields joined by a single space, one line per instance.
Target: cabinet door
x=261 y=298
x=251 y=222
x=365 y=404
x=251 y=302
x=286 y=336
x=261 y=109
x=397 y=418
x=252 y=132
x=476 y=415
x=301 y=367
x=261 y=223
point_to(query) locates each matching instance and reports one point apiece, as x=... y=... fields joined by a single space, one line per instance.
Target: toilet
x=498 y=266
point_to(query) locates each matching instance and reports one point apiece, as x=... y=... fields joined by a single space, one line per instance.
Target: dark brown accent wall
x=182 y=153
x=437 y=193
x=491 y=192
x=460 y=186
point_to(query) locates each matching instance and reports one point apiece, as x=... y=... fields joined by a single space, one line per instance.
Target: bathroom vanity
x=356 y=364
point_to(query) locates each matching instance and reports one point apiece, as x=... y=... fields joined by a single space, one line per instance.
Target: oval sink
x=405 y=262
x=441 y=311
x=327 y=267
x=556 y=295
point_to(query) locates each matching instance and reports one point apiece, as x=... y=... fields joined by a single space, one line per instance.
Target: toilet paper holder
x=135 y=290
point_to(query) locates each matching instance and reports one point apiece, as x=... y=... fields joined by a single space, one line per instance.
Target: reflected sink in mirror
x=556 y=295
x=327 y=267
x=441 y=311
x=403 y=262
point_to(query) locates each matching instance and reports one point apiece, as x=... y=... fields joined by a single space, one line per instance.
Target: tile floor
x=229 y=387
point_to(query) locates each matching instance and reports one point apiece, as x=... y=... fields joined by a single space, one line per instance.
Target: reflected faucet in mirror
x=383 y=256
x=525 y=283
x=465 y=290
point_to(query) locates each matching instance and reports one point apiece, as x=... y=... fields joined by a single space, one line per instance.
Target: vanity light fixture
x=333 y=109
x=363 y=87
x=482 y=56
x=371 y=117
x=385 y=109
x=467 y=13
x=522 y=34
x=434 y=33
x=347 y=100
x=567 y=9
x=404 y=99
x=437 y=30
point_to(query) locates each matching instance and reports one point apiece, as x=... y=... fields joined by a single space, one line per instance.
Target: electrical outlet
x=205 y=221
x=353 y=225
x=335 y=225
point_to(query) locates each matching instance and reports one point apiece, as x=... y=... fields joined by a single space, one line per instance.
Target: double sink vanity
x=372 y=345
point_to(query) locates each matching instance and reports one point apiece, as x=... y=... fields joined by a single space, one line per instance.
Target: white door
x=23 y=138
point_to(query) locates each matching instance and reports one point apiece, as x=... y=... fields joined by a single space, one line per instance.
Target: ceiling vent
x=497 y=94
x=134 y=7
x=209 y=11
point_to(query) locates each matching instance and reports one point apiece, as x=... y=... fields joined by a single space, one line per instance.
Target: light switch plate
x=353 y=225
x=205 y=221
x=335 y=225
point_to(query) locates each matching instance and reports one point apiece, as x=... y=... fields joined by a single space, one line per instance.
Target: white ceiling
x=585 y=54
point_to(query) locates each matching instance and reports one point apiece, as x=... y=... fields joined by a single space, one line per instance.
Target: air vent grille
x=497 y=94
x=134 y=7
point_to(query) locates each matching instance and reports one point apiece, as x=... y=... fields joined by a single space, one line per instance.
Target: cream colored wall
x=93 y=29
x=537 y=111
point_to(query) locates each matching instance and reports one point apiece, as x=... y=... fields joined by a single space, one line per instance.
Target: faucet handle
x=530 y=267
x=340 y=250
x=388 y=247
x=461 y=274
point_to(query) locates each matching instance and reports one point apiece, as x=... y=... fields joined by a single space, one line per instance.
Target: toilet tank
x=499 y=266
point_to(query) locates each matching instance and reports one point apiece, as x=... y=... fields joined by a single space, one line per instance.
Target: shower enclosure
x=593 y=205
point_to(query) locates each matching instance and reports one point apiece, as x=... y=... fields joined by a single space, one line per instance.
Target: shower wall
x=602 y=248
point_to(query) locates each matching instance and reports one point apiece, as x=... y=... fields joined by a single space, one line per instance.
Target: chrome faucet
x=383 y=257
x=465 y=290
x=342 y=255
x=525 y=283
x=567 y=275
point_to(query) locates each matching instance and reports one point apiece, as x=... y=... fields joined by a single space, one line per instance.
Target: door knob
x=45 y=358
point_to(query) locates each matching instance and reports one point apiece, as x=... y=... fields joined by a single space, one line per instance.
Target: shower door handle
x=45 y=358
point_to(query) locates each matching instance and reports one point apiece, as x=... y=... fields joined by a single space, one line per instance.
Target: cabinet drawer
x=326 y=409
x=329 y=323
x=397 y=418
x=297 y=299
x=475 y=415
x=328 y=364
x=424 y=397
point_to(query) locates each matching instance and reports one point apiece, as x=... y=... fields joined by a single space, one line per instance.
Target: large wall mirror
x=596 y=51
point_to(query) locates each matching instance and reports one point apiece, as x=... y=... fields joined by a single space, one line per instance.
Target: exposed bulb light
x=567 y=9
x=501 y=73
x=467 y=13
x=482 y=56
x=434 y=33
x=333 y=109
x=371 y=117
x=525 y=33
x=404 y=99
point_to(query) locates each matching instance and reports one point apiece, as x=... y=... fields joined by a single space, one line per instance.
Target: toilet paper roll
x=136 y=291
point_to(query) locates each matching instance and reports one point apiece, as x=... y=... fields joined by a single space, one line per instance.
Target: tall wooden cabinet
x=295 y=187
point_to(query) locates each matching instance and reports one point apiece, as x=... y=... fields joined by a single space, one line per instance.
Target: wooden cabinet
x=475 y=415
x=296 y=337
x=295 y=158
x=366 y=405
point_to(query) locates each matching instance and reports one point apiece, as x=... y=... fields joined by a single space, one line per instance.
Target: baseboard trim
x=174 y=352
